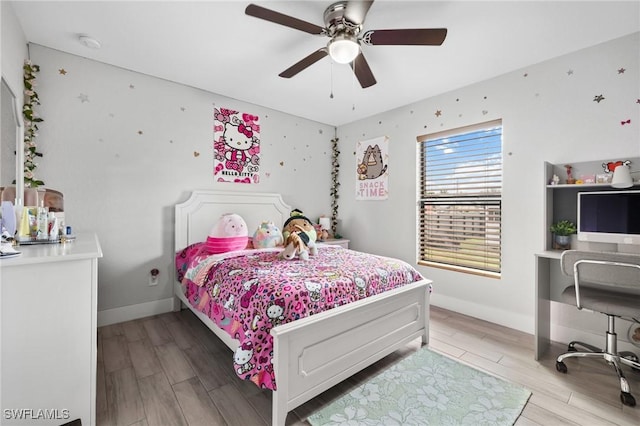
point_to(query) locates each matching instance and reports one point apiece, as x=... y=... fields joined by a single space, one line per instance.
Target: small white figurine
x=555 y=180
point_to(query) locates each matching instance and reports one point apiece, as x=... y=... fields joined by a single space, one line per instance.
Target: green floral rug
x=427 y=388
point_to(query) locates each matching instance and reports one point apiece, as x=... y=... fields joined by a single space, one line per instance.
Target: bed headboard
x=196 y=216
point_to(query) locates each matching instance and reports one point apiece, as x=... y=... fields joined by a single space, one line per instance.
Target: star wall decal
x=139 y=132
x=438 y=113
x=570 y=72
x=525 y=74
x=131 y=86
x=62 y=71
x=638 y=101
x=598 y=98
x=83 y=98
x=183 y=109
x=621 y=71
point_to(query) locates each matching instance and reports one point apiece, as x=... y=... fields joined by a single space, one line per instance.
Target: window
x=460 y=200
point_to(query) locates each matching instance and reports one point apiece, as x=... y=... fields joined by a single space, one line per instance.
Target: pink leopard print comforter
x=248 y=292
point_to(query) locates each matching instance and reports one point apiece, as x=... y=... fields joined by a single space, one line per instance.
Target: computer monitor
x=609 y=216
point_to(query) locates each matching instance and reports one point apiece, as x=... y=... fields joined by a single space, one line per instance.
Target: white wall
x=110 y=173
x=124 y=184
x=14 y=49
x=548 y=114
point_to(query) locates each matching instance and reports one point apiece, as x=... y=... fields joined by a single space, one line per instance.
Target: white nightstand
x=338 y=242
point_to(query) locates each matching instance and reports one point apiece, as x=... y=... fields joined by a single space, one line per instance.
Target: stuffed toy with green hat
x=299 y=236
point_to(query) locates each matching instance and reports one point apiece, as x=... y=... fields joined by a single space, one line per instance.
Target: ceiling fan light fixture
x=343 y=49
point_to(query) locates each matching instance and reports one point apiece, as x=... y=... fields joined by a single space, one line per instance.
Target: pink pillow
x=216 y=245
x=228 y=234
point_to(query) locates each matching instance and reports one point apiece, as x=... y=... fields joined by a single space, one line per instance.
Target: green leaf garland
x=31 y=121
x=335 y=168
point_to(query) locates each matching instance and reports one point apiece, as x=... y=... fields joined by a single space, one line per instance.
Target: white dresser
x=49 y=323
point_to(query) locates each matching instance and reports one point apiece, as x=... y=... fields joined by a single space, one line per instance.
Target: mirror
x=12 y=139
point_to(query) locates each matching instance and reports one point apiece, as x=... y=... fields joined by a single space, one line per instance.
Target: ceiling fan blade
x=363 y=72
x=406 y=37
x=304 y=63
x=282 y=19
x=356 y=11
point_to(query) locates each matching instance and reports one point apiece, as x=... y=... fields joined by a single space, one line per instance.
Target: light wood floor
x=171 y=370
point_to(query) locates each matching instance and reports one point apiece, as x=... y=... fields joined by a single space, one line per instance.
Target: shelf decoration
x=570 y=179
x=31 y=121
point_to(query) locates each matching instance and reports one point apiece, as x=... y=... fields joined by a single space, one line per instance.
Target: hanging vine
x=31 y=121
x=335 y=168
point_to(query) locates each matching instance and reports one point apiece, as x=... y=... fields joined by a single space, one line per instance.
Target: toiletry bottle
x=24 y=233
x=53 y=227
x=43 y=224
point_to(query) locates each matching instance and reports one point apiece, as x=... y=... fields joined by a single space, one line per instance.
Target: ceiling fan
x=344 y=22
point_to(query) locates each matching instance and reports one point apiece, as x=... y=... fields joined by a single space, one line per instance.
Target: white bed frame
x=314 y=353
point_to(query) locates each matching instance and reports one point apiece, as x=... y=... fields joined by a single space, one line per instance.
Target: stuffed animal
x=228 y=234
x=299 y=237
x=268 y=235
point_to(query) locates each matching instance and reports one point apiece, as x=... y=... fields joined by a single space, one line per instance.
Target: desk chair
x=609 y=283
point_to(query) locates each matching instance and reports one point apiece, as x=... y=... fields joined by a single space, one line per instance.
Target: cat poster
x=372 y=175
x=236 y=146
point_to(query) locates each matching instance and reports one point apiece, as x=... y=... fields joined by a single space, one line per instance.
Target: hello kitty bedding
x=248 y=292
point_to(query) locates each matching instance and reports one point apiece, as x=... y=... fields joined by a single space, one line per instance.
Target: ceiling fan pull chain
x=353 y=85
x=331 y=95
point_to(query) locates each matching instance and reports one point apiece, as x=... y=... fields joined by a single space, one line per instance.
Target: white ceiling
x=216 y=47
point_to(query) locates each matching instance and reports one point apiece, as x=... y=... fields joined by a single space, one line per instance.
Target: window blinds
x=460 y=198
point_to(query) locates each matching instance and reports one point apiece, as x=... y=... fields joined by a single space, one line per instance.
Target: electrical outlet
x=153 y=276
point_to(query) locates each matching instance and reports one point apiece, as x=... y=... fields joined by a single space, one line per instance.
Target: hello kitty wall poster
x=372 y=176
x=236 y=146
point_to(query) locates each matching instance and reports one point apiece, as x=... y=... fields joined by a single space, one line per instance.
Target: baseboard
x=560 y=331
x=131 y=312
x=495 y=315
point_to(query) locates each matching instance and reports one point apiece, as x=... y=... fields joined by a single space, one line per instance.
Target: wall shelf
x=560 y=201
x=586 y=185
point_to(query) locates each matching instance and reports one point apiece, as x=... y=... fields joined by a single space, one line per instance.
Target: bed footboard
x=315 y=353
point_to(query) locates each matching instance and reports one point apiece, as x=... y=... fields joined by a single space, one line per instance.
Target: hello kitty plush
x=228 y=234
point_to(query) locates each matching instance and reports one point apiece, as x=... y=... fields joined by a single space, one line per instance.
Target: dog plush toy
x=299 y=237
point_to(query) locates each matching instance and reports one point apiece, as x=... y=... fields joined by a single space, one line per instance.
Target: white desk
x=49 y=330
x=550 y=282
